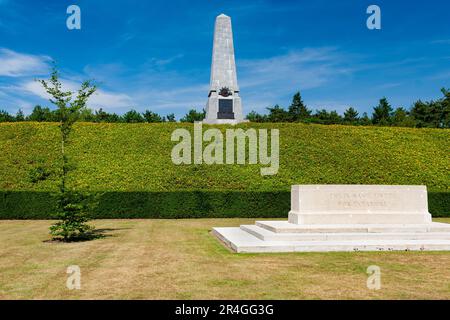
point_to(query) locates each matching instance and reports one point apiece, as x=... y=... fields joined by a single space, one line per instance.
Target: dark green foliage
x=103 y=116
x=365 y=120
x=152 y=117
x=256 y=117
x=20 y=116
x=193 y=115
x=277 y=114
x=170 y=117
x=402 y=118
x=446 y=108
x=172 y=205
x=382 y=114
x=72 y=208
x=325 y=117
x=432 y=114
x=351 y=116
x=133 y=116
x=86 y=115
x=5 y=116
x=297 y=110
x=40 y=114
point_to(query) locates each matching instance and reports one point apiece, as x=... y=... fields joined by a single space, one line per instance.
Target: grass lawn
x=180 y=259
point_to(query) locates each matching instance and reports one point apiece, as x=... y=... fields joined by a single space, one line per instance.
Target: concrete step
x=286 y=227
x=242 y=241
x=267 y=235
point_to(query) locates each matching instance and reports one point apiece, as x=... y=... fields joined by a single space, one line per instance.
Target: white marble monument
x=224 y=104
x=345 y=218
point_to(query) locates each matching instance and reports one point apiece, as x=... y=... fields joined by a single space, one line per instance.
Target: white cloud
x=14 y=64
x=308 y=68
x=101 y=98
x=264 y=81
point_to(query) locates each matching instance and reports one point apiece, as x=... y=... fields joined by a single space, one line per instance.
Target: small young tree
x=71 y=206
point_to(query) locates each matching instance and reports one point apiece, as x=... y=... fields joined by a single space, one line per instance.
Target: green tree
x=446 y=108
x=382 y=114
x=171 y=117
x=426 y=114
x=40 y=114
x=351 y=116
x=152 y=117
x=71 y=205
x=86 y=115
x=113 y=118
x=365 y=120
x=277 y=114
x=325 y=117
x=335 y=118
x=5 y=116
x=101 y=116
x=133 y=116
x=20 y=116
x=401 y=118
x=193 y=115
x=253 y=116
x=297 y=110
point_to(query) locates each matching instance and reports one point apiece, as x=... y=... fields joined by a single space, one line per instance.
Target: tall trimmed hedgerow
x=72 y=206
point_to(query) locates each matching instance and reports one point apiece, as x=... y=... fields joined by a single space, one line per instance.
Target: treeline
x=44 y=114
x=430 y=114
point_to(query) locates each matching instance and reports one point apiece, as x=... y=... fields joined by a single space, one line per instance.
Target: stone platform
x=376 y=221
x=282 y=236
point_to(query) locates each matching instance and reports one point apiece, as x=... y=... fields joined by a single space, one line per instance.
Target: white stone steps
x=286 y=227
x=241 y=241
x=266 y=235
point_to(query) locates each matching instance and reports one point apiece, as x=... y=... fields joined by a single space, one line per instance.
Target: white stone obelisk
x=224 y=103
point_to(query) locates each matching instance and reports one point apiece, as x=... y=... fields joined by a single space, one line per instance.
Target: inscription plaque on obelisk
x=224 y=103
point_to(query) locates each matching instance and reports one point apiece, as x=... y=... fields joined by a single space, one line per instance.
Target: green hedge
x=130 y=166
x=174 y=205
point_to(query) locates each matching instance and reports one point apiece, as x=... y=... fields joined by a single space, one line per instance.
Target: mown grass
x=180 y=259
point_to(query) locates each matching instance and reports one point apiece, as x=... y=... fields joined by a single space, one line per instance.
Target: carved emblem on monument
x=225 y=92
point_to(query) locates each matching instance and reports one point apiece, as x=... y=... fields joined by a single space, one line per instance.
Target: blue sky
x=157 y=54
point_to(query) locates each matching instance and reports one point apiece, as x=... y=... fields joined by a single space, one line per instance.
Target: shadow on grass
x=95 y=234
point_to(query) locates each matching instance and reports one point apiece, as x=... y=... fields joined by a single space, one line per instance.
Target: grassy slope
x=136 y=157
x=179 y=259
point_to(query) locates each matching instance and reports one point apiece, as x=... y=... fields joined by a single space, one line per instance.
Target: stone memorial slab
x=345 y=204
